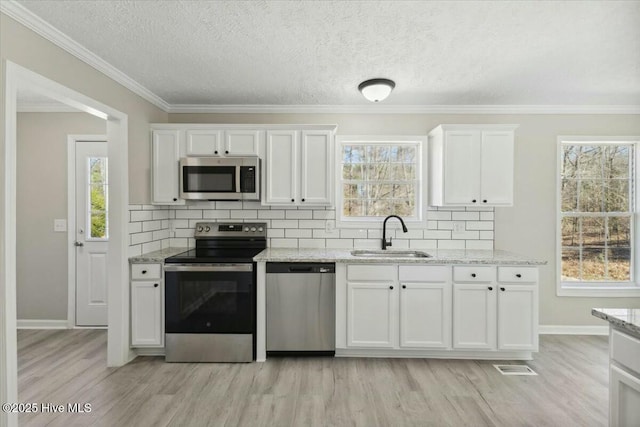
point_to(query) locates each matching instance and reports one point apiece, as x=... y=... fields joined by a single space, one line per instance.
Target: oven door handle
x=208 y=267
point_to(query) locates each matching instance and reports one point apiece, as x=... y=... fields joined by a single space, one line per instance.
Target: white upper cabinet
x=165 y=153
x=281 y=167
x=221 y=142
x=471 y=165
x=242 y=142
x=203 y=142
x=299 y=167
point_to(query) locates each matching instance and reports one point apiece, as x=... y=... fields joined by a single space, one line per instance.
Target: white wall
x=42 y=282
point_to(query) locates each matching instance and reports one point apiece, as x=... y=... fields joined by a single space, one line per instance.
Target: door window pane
x=97 y=209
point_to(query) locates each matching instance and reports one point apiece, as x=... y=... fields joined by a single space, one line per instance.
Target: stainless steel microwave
x=220 y=178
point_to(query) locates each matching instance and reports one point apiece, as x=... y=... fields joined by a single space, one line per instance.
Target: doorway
x=89 y=230
x=118 y=352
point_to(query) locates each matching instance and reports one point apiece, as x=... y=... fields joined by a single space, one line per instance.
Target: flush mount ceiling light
x=376 y=90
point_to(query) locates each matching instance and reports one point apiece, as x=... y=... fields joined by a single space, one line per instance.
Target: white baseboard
x=42 y=324
x=573 y=330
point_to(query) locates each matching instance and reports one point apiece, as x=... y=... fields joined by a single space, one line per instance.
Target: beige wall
x=42 y=280
x=527 y=228
x=24 y=47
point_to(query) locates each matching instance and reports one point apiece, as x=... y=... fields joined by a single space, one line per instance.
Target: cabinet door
x=371 y=314
x=241 y=142
x=425 y=315
x=147 y=324
x=474 y=316
x=462 y=168
x=518 y=317
x=281 y=167
x=624 y=398
x=316 y=169
x=165 y=167
x=497 y=168
x=203 y=142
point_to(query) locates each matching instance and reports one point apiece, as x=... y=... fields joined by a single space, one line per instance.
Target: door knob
x=78 y=244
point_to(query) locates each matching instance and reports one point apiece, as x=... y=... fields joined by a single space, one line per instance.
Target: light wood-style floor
x=69 y=366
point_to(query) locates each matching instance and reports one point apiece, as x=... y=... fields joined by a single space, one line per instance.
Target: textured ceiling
x=316 y=52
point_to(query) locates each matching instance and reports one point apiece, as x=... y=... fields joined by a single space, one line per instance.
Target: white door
x=316 y=170
x=241 y=142
x=462 y=168
x=425 y=315
x=281 y=168
x=92 y=233
x=203 y=142
x=497 y=168
x=474 y=316
x=371 y=310
x=165 y=167
x=146 y=313
x=517 y=317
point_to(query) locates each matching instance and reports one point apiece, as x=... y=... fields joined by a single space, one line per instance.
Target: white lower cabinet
x=371 y=314
x=147 y=306
x=624 y=379
x=398 y=307
x=428 y=309
x=474 y=316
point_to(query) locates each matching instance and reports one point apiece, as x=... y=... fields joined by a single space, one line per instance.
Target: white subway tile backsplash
x=271 y=214
x=311 y=243
x=324 y=214
x=297 y=233
x=244 y=214
x=451 y=244
x=465 y=216
x=312 y=223
x=353 y=233
x=217 y=214
x=479 y=225
x=141 y=216
x=324 y=234
x=158 y=227
x=479 y=244
x=284 y=223
x=339 y=243
x=299 y=214
x=284 y=243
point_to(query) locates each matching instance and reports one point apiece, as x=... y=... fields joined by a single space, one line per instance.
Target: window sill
x=598 y=292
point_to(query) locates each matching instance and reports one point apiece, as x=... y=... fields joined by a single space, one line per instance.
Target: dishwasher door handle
x=300 y=269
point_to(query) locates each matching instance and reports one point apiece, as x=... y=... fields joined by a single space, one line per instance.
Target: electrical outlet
x=330 y=226
x=458 y=226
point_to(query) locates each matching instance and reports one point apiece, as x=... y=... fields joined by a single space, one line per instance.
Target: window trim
x=421 y=146
x=599 y=289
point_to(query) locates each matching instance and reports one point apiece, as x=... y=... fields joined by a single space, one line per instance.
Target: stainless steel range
x=210 y=295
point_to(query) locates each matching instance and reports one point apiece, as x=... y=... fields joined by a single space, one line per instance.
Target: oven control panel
x=230 y=229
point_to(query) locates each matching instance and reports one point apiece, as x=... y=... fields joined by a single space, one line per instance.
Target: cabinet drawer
x=474 y=274
x=421 y=273
x=146 y=271
x=371 y=272
x=625 y=350
x=518 y=274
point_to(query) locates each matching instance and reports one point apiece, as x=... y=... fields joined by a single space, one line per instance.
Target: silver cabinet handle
x=78 y=244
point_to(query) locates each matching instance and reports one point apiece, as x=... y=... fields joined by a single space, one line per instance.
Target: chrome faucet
x=384 y=230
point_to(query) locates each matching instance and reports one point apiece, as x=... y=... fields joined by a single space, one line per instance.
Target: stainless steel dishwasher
x=301 y=308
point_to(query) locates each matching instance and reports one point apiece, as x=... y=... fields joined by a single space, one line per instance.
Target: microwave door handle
x=238 y=189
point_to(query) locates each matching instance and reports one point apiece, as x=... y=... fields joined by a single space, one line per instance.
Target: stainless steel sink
x=389 y=254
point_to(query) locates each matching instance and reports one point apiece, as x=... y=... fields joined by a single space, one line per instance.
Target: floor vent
x=514 y=370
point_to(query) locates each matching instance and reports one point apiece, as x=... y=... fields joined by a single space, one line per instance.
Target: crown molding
x=24 y=16
x=27 y=18
x=404 y=109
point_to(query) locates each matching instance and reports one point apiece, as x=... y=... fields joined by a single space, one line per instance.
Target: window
x=596 y=223
x=379 y=176
x=98 y=200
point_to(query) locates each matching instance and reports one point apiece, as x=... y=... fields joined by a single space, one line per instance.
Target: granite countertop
x=624 y=318
x=157 y=256
x=438 y=256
